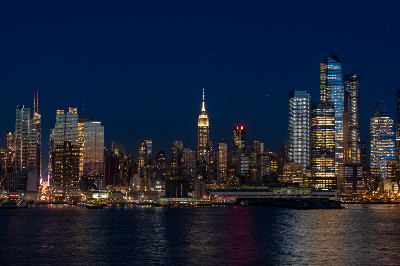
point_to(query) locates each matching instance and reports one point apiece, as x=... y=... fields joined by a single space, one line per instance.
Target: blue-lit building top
x=382 y=137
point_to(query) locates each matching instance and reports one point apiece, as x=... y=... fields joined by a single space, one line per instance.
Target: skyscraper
x=299 y=128
x=35 y=137
x=332 y=91
x=323 y=145
x=93 y=149
x=22 y=123
x=177 y=156
x=203 y=130
x=398 y=126
x=382 y=139
x=222 y=161
x=351 y=123
x=238 y=147
x=65 y=154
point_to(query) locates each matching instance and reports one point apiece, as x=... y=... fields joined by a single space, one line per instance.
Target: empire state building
x=203 y=131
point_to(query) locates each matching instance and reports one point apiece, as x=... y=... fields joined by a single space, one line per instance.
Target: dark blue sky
x=140 y=65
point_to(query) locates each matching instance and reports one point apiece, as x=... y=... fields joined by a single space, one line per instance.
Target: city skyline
x=155 y=91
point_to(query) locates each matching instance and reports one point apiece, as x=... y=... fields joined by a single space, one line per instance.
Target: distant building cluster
x=323 y=151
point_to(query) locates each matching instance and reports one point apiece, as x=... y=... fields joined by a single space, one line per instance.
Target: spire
x=34 y=102
x=37 y=102
x=203 y=108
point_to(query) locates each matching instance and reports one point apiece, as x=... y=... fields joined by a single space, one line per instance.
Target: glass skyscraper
x=351 y=136
x=22 y=126
x=332 y=91
x=93 y=149
x=382 y=139
x=299 y=128
x=323 y=145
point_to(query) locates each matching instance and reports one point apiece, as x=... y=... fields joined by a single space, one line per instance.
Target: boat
x=70 y=202
x=93 y=204
x=81 y=204
x=11 y=202
x=244 y=203
x=22 y=204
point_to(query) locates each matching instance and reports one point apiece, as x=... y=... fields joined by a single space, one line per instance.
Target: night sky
x=139 y=66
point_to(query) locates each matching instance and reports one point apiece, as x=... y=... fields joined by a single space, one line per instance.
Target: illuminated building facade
x=177 y=156
x=238 y=147
x=203 y=132
x=222 y=168
x=292 y=173
x=10 y=151
x=382 y=139
x=398 y=126
x=93 y=149
x=332 y=91
x=22 y=126
x=81 y=139
x=189 y=164
x=323 y=145
x=35 y=137
x=65 y=154
x=299 y=128
x=142 y=154
x=351 y=121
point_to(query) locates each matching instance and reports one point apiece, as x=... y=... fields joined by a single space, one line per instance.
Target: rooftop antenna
x=83 y=105
x=37 y=102
x=203 y=93
x=34 y=102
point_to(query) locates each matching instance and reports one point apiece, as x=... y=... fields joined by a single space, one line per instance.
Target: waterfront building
x=382 y=139
x=323 y=145
x=292 y=173
x=203 y=132
x=22 y=126
x=161 y=164
x=142 y=154
x=238 y=147
x=299 y=128
x=93 y=149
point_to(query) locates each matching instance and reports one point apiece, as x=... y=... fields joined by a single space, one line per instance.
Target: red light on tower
x=241 y=128
x=237 y=127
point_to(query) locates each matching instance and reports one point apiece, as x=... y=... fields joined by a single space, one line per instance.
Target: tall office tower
x=382 y=139
x=351 y=119
x=238 y=147
x=142 y=154
x=65 y=157
x=323 y=145
x=299 y=128
x=93 y=149
x=177 y=156
x=81 y=139
x=203 y=132
x=257 y=146
x=10 y=151
x=66 y=128
x=35 y=137
x=189 y=158
x=364 y=155
x=332 y=91
x=161 y=165
x=149 y=150
x=398 y=126
x=222 y=168
x=22 y=123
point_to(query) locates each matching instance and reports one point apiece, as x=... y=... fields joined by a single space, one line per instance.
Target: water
x=253 y=235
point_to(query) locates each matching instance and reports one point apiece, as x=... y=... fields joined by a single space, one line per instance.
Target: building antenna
x=83 y=105
x=203 y=93
x=37 y=102
x=34 y=102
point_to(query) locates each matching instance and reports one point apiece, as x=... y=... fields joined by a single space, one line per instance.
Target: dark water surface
x=253 y=235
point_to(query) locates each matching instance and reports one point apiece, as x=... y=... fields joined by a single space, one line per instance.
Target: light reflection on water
x=253 y=235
